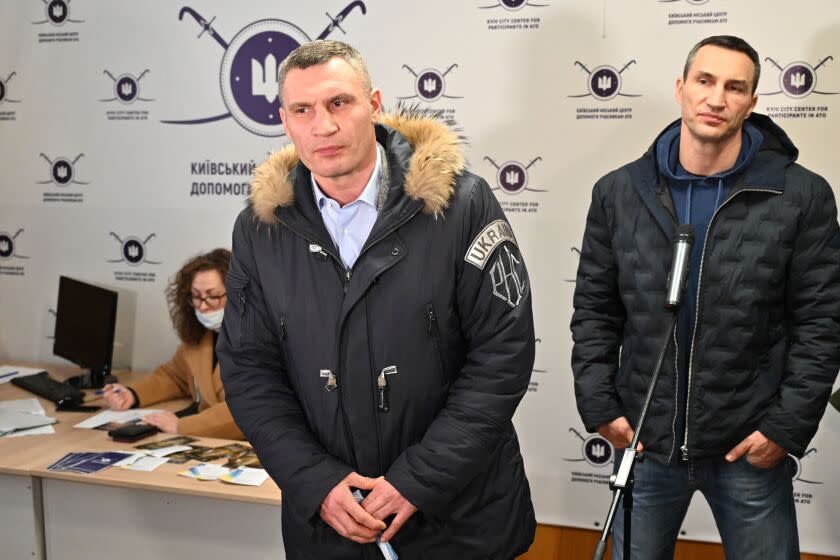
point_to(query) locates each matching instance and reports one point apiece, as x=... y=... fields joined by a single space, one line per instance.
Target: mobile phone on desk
x=132 y=432
x=73 y=405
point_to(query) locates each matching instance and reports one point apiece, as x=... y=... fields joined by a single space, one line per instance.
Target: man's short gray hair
x=321 y=52
x=731 y=43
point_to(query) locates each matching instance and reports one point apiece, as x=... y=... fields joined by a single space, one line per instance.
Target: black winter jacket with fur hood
x=440 y=295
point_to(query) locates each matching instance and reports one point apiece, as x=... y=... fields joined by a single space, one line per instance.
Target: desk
x=120 y=513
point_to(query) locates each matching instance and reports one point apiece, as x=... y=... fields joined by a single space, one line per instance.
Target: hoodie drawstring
x=688 y=198
x=688 y=202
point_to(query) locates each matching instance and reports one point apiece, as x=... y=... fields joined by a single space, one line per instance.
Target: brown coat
x=191 y=367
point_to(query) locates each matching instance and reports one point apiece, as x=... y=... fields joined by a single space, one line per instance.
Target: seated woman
x=196 y=298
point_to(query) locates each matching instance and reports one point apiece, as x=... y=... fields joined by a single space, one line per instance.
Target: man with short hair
x=379 y=333
x=757 y=345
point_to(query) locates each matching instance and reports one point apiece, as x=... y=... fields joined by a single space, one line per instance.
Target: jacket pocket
x=240 y=324
x=434 y=332
x=282 y=338
x=623 y=364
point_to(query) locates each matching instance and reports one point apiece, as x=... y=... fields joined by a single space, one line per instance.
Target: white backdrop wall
x=97 y=183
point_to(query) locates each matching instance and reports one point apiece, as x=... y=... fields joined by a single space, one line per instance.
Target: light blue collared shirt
x=349 y=226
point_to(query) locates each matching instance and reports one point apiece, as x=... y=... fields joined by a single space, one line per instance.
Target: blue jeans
x=753 y=508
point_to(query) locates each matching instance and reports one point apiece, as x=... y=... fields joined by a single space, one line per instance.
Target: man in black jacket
x=757 y=346
x=379 y=332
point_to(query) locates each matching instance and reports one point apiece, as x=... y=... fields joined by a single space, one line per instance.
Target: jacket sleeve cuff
x=422 y=494
x=310 y=496
x=605 y=415
x=779 y=437
x=136 y=398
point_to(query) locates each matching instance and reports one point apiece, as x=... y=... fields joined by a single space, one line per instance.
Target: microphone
x=683 y=243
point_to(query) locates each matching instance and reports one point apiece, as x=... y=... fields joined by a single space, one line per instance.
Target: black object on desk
x=45 y=386
x=132 y=432
x=72 y=406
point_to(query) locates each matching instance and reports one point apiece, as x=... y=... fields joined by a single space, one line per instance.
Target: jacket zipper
x=383 y=399
x=282 y=328
x=381 y=395
x=433 y=330
x=337 y=384
x=684 y=448
x=676 y=364
x=326 y=250
x=348 y=274
x=242 y=301
x=676 y=396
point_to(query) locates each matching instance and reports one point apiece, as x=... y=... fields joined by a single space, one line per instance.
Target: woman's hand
x=164 y=421
x=118 y=396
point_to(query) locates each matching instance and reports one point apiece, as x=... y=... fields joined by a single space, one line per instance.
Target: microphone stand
x=621 y=483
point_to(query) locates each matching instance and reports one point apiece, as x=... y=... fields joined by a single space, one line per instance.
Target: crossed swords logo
x=595 y=450
x=798 y=79
x=57 y=13
x=7 y=245
x=512 y=176
x=61 y=171
x=604 y=82
x=4 y=89
x=132 y=250
x=126 y=87
x=429 y=84
x=250 y=64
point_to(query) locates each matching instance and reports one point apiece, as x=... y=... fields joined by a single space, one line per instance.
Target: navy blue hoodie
x=695 y=199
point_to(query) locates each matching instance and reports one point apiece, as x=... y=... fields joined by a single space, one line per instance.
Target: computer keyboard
x=45 y=386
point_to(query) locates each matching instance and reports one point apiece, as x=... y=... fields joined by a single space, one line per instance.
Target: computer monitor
x=84 y=330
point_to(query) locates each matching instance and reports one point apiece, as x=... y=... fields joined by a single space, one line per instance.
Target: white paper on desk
x=117 y=416
x=32 y=406
x=14 y=420
x=205 y=471
x=130 y=460
x=248 y=476
x=16 y=371
x=43 y=430
x=164 y=451
x=146 y=463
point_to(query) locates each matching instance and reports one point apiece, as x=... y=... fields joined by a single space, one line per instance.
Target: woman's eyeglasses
x=212 y=301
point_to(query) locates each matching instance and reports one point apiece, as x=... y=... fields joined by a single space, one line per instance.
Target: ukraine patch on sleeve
x=494 y=234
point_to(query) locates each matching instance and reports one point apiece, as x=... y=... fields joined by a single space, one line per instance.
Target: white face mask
x=212 y=320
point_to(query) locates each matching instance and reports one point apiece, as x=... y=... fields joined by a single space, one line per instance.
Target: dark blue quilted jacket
x=766 y=347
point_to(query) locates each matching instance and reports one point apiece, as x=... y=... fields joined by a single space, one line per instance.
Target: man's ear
x=752 y=106
x=375 y=104
x=283 y=121
x=678 y=90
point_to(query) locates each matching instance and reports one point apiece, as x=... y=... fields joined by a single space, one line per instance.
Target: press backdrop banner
x=129 y=131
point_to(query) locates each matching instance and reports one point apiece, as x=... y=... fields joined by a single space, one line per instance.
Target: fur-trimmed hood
x=430 y=175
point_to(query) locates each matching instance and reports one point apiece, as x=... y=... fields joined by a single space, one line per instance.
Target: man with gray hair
x=757 y=343
x=378 y=335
